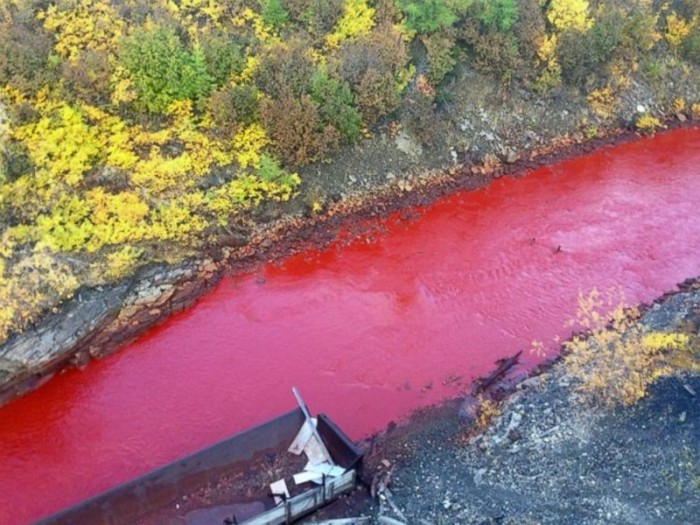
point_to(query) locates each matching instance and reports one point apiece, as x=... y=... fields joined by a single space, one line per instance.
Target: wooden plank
x=305 y=503
x=315 y=448
x=386 y=520
x=345 y=521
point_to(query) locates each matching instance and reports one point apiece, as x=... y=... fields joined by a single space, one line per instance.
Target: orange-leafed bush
x=294 y=125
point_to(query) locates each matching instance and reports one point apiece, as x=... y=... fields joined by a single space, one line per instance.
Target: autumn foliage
x=617 y=357
x=134 y=130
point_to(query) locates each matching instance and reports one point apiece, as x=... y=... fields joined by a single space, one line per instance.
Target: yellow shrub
x=252 y=63
x=617 y=358
x=32 y=285
x=91 y=222
x=676 y=30
x=114 y=136
x=695 y=111
x=248 y=144
x=601 y=102
x=678 y=105
x=179 y=219
x=357 y=20
x=569 y=14
x=250 y=19
x=619 y=70
x=202 y=150
x=550 y=76
x=647 y=125
x=488 y=409
x=120 y=263
x=121 y=85
x=114 y=218
x=4 y=136
x=194 y=12
x=90 y=24
x=61 y=144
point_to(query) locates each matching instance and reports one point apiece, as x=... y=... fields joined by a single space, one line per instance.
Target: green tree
x=163 y=70
x=273 y=13
x=500 y=14
x=223 y=55
x=428 y=16
x=335 y=104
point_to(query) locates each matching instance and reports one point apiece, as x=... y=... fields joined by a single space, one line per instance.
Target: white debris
x=306 y=477
x=316 y=451
x=329 y=469
x=279 y=487
x=303 y=436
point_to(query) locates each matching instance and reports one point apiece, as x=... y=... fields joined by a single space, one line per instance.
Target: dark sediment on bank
x=547 y=458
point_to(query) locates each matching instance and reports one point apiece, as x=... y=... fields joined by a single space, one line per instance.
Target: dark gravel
x=547 y=459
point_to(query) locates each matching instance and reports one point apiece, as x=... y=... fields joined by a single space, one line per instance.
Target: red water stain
x=370 y=331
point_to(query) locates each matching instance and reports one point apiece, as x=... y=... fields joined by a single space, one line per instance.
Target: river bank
x=466 y=113
x=410 y=314
x=544 y=457
x=99 y=321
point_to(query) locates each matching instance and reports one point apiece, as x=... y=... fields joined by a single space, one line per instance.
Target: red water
x=369 y=332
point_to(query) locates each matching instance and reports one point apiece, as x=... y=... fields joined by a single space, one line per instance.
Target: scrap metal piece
x=318 y=442
x=344 y=521
x=308 y=501
x=316 y=452
x=386 y=520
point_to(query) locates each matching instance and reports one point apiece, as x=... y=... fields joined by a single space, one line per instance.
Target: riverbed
x=368 y=330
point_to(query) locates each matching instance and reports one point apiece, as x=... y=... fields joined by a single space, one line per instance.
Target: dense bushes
x=162 y=70
x=295 y=126
x=335 y=105
x=427 y=16
x=498 y=14
x=376 y=67
x=441 y=50
x=25 y=56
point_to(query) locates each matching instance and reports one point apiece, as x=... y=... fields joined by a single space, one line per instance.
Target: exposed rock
x=509 y=155
x=405 y=143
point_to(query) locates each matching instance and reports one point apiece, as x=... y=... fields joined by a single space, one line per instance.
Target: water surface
x=370 y=331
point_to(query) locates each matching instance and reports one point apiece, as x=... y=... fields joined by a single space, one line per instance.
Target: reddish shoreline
x=129 y=309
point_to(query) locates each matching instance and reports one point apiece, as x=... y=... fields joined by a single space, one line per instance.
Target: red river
x=370 y=331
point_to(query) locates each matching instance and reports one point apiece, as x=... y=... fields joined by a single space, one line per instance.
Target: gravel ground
x=546 y=459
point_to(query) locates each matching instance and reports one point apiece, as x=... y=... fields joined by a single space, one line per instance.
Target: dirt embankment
x=546 y=458
x=485 y=132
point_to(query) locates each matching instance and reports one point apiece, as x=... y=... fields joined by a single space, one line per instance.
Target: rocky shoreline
x=546 y=458
x=98 y=321
x=485 y=132
x=475 y=125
